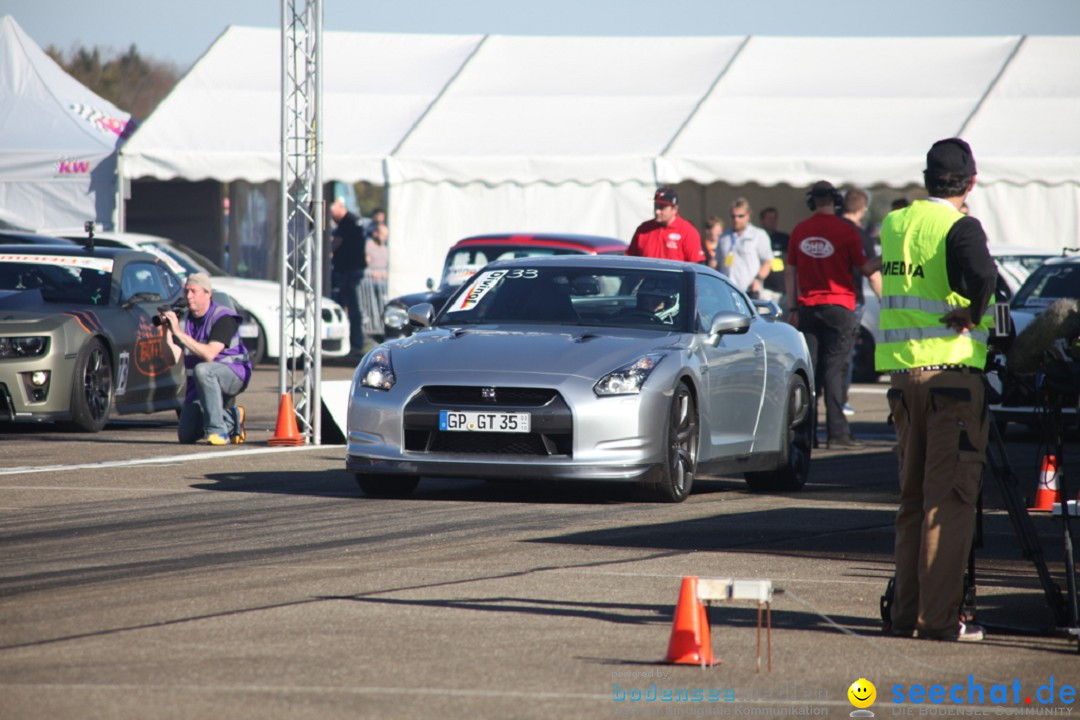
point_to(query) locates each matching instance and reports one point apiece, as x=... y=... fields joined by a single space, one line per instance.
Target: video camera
x=177 y=307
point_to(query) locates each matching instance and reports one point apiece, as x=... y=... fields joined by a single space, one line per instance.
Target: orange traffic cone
x=286 y=432
x=1048 y=492
x=690 y=643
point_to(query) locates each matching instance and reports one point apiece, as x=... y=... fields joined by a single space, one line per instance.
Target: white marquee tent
x=495 y=133
x=58 y=141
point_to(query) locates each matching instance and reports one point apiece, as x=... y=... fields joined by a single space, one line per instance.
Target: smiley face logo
x=862 y=693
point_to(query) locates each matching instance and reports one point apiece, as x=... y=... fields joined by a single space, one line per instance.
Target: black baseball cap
x=952 y=155
x=665 y=196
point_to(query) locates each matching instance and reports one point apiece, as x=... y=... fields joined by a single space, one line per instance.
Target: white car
x=261 y=298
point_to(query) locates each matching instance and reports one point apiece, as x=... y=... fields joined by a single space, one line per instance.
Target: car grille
x=516 y=397
x=552 y=423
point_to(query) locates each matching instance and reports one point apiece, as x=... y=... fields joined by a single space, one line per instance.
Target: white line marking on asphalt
x=869 y=390
x=279 y=689
x=215 y=455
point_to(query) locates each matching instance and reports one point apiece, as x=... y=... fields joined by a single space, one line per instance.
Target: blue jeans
x=216 y=388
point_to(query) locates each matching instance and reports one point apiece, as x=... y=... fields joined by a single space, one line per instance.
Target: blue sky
x=181 y=31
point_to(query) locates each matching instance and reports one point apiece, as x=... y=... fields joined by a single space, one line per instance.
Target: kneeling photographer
x=217 y=366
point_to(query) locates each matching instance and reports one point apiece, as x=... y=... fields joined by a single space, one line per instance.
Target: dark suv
x=469 y=255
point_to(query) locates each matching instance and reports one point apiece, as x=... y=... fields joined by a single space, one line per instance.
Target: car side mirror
x=422 y=315
x=728 y=323
x=430 y=284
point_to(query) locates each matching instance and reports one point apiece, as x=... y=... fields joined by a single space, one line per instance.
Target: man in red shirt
x=667 y=236
x=822 y=252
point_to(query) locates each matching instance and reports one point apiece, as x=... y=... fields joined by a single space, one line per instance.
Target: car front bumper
x=578 y=436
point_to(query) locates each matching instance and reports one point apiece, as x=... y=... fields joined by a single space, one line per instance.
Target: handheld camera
x=177 y=307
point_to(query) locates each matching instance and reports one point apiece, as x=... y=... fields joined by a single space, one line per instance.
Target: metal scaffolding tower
x=302 y=213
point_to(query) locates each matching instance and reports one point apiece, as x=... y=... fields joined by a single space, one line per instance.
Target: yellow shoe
x=215 y=439
x=241 y=433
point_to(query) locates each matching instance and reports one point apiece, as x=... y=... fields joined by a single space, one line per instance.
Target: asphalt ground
x=144 y=579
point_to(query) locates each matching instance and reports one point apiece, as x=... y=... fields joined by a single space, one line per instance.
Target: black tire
x=794 y=468
x=864 y=371
x=258 y=353
x=677 y=477
x=387 y=486
x=91 y=389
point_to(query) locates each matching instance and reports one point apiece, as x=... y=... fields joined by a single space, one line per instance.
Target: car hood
x=24 y=311
x=584 y=352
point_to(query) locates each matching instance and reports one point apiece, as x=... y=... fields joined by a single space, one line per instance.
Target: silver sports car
x=586 y=368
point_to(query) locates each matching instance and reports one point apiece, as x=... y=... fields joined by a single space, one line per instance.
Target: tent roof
x=616 y=109
x=45 y=111
x=58 y=140
x=223 y=120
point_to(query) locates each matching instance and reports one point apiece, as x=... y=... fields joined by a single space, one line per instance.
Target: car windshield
x=462 y=263
x=1016 y=268
x=653 y=299
x=80 y=281
x=1047 y=284
x=190 y=260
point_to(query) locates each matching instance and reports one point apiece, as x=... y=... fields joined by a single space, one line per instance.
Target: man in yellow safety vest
x=937 y=284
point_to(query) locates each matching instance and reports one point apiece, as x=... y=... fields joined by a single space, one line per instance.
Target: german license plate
x=469 y=421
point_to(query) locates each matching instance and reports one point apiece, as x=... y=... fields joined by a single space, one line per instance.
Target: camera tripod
x=1065 y=614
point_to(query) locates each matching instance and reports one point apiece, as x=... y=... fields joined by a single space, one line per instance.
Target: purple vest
x=234 y=354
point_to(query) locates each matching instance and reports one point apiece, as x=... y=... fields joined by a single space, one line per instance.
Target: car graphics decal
x=477 y=289
x=93 y=263
x=151 y=356
x=88 y=320
x=122 y=373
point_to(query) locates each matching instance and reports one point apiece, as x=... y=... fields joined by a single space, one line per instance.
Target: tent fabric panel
x=542 y=97
x=1028 y=128
x=375 y=87
x=870 y=101
x=57 y=140
x=43 y=105
x=427 y=218
x=30 y=205
x=1035 y=215
x=580 y=169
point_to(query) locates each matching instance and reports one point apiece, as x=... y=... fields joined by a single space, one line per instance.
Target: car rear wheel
x=677 y=477
x=387 y=486
x=257 y=353
x=794 y=469
x=92 y=389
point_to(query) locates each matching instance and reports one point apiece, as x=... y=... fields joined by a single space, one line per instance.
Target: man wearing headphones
x=822 y=253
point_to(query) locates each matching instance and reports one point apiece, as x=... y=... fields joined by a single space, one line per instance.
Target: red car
x=469 y=255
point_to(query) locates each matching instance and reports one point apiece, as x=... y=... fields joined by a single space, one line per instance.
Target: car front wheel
x=794 y=468
x=92 y=389
x=677 y=477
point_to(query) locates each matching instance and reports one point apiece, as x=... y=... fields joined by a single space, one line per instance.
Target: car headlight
x=395 y=316
x=23 y=347
x=628 y=379
x=377 y=372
